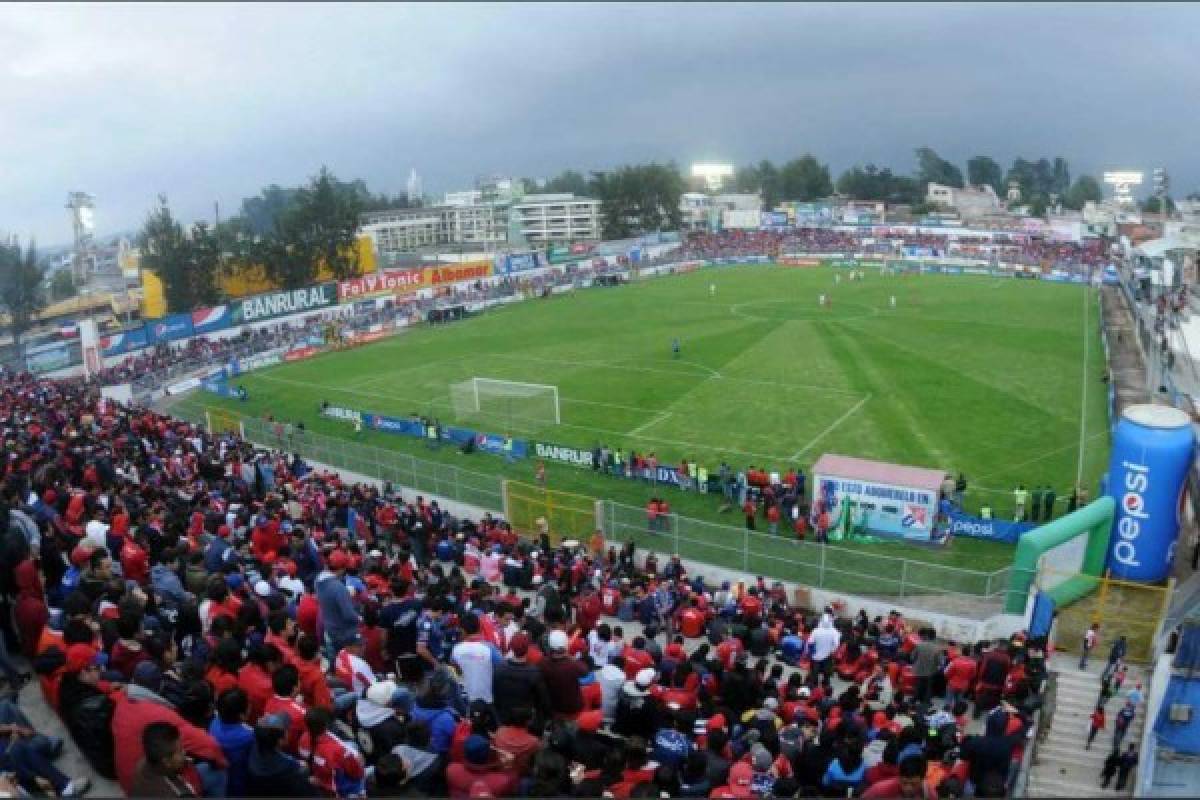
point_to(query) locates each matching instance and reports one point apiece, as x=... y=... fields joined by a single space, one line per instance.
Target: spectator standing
x=1096 y=725
x=1091 y=637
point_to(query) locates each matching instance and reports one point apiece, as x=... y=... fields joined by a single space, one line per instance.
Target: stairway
x=1061 y=767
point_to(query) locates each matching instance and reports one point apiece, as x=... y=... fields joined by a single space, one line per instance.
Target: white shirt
x=824 y=641
x=96 y=532
x=362 y=676
x=611 y=680
x=476 y=659
x=598 y=649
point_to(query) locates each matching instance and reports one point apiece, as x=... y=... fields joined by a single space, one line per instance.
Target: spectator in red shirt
x=480 y=765
x=255 y=678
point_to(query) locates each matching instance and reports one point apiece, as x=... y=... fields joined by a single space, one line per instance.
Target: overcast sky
x=211 y=102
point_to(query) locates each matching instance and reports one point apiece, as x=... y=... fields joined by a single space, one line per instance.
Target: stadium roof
x=1156 y=248
x=879 y=472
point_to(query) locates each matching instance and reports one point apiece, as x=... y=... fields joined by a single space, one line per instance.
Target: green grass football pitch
x=973 y=374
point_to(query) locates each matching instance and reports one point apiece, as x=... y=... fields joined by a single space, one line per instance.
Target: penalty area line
x=657 y=418
x=831 y=428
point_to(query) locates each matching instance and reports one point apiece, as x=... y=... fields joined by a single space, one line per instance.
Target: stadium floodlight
x=713 y=175
x=506 y=401
x=1123 y=182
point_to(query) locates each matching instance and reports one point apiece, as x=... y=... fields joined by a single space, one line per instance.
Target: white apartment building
x=968 y=201
x=407 y=230
x=545 y=219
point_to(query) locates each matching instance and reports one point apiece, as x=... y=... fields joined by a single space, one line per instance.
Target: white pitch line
x=681 y=443
x=657 y=418
x=831 y=428
x=719 y=377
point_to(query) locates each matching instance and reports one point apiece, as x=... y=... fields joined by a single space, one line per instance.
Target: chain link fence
x=779 y=557
x=445 y=480
x=785 y=558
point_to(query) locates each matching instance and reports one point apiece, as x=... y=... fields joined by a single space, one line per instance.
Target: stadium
x=865 y=473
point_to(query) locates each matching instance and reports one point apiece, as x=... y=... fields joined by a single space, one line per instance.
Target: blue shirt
x=236 y=740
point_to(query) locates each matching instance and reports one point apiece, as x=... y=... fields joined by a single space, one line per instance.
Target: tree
x=62 y=285
x=185 y=261
x=638 y=199
x=262 y=213
x=21 y=288
x=804 y=179
x=984 y=171
x=1086 y=188
x=1153 y=205
x=568 y=181
x=871 y=183
x=932 y=168
x=324 y=222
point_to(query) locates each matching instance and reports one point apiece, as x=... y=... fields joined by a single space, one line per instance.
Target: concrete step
x=1041 y=787
x=1049 y=752
x=1072 y=771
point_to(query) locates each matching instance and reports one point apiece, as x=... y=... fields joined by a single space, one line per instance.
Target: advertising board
x=377 y=284
x=217 y=318
x=169 y=328
x=888 y=509
x=277 y=304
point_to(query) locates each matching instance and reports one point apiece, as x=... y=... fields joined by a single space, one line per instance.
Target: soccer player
x=892 y=301
x=675 y=347
x=712 y=290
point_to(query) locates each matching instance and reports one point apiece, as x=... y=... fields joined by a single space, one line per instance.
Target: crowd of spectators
x=1021 y=249
x=210 y=618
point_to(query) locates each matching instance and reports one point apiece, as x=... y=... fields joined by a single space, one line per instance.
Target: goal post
x=506 y=401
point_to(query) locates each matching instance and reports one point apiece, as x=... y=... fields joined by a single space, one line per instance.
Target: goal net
x=508 y=403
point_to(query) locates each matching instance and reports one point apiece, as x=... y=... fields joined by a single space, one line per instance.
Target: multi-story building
x=545 y=219
x=407 y=230
x=970 y=201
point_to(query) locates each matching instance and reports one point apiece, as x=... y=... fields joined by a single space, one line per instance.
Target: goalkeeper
x=675 y=347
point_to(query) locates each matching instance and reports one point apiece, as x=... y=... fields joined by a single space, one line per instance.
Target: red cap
x=80 y=554
x=338 y=560
x=519 y=645
x=741 y=775
x=78 y=657
x=223 y=531
x=717 y=723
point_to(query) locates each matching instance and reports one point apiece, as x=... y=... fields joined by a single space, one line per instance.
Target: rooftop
x=879 y=472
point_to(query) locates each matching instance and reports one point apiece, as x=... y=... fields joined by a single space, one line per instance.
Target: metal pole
x=745 y=550
x=1083 y=392
x=821 y=573
x=903 y=575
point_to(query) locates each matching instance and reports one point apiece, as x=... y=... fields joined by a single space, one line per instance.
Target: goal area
x=508 y=403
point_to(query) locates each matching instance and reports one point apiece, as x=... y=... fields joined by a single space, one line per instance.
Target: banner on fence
x=118 y=344
x=378 y=284
x=564 y=455
x=217 y=318
x=995 y=530
x=169 y=328
x=508 y=263
x=407 y=426
x=277 y=304
x=794 y=261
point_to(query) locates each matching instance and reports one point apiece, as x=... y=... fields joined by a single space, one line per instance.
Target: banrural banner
x=403 y=426
x=277 y=304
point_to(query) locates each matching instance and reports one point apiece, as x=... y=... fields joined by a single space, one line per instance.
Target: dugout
x=884 y=499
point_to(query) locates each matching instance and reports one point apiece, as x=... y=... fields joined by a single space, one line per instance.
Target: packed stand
x=208 y=618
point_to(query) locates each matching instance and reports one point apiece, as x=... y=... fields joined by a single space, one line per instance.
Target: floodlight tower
x=1123 y=182
x=83 y=221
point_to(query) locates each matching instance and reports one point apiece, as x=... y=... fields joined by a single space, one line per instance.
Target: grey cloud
x=211 y=102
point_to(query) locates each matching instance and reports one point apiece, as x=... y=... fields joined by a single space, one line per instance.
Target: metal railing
x=782 y=557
